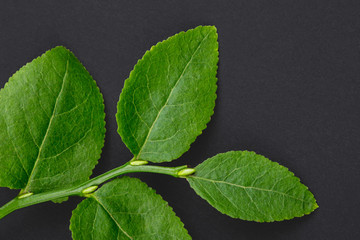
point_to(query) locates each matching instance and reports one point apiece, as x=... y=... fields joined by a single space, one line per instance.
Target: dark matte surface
x=288 y=89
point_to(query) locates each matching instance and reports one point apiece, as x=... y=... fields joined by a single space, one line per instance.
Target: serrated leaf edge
x=78 y=207
x=11 y=79
x=126 y=83
x=315 y=205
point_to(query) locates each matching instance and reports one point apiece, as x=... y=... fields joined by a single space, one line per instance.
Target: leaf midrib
x=111 y=216
x=249 y=187
x=169 y=96
x=48 y=128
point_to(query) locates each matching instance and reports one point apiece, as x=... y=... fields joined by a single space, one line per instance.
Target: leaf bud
x=138 y=163
x=89 y=190
x=25 y=195
x=185 y=172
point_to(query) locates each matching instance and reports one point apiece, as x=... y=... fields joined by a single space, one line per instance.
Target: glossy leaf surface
x=170 y=95
x=126 y=208
x=52 y=124
x=249 y=186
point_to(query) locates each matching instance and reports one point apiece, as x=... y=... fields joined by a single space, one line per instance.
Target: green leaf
x=245 y=185
x=52 y=124
x=126 y=208
x=170 y=95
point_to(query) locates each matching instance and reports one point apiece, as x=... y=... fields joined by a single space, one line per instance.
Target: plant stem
x=19 y=202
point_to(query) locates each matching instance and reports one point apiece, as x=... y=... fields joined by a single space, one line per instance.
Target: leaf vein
x=48 y=128
x=112 y=217
x=250 y=187
x=170 y=94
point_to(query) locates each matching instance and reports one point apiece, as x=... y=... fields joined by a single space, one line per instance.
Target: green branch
x=86 y=188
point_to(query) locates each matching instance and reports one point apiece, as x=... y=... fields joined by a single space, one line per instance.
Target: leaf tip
x=316 y=206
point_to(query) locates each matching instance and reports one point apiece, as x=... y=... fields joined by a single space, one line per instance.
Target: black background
x=289 y=76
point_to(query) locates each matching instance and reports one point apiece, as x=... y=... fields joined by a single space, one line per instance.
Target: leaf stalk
x=22 y=201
